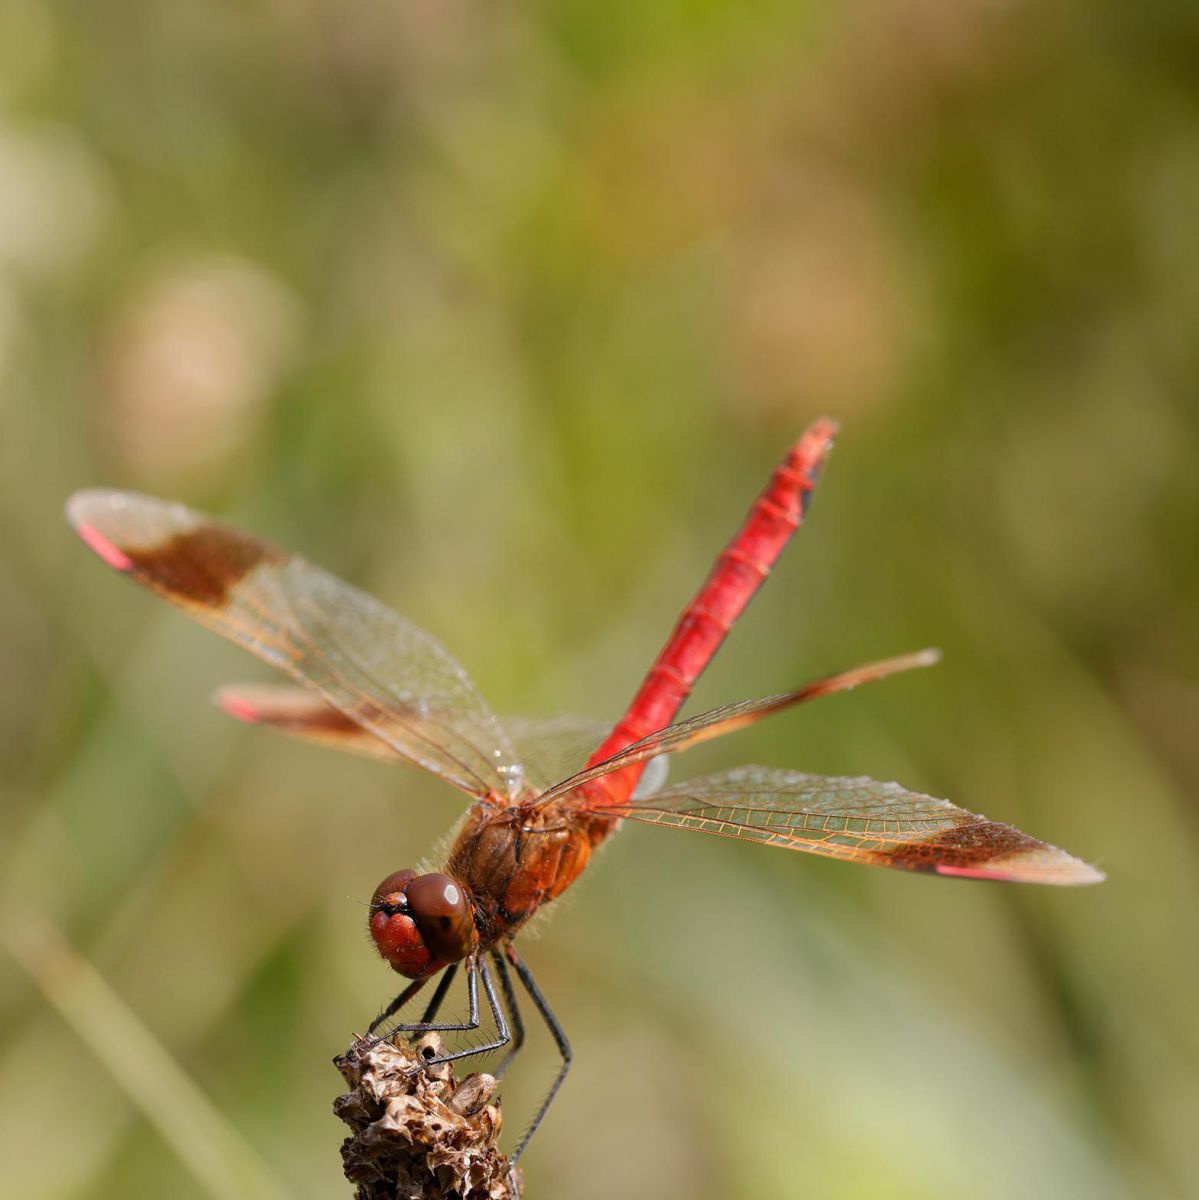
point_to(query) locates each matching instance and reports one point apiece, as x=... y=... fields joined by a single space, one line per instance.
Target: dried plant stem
x=417 y=1132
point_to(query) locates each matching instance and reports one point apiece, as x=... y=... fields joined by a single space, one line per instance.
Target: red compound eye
x=421 y=922
x=443 y=914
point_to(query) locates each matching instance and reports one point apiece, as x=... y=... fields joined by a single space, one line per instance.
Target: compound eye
x=443 y=914
x=390 y=895
x=395 y=933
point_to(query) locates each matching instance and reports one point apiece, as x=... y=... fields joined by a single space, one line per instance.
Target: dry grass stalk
x=418 y=1133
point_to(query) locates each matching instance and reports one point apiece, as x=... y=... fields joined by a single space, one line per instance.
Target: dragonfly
x=371 y=682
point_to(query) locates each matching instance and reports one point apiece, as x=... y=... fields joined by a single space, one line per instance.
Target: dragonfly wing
x=303 y=714
x=370 y=664
x=552 y=748
x=549 y=747
x=716 y=722
x=860 y=820
x=652 y=778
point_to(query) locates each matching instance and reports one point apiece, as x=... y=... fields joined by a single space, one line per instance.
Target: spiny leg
x=502 y=1038
x=518 y=1024
x=434 y=1005
x=399 y=1002
x=402 y=999
x=560 y=1039
x=472 y=1018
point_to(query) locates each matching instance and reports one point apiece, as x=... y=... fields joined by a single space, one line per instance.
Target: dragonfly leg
x=560 y=1040
x=502 y=1037
x=399 y=1002
x=434 y=1005
x=518 y=1024
x=402 y=999
x=427 y=1026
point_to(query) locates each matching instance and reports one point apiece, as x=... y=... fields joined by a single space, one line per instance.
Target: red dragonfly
x=376 y=684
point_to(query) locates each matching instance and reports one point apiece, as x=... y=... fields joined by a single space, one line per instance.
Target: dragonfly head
x=421 y=922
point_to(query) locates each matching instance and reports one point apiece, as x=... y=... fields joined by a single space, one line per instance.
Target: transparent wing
x=302 y=714
x=374 y=667
x=549 y=747
x=860 y=820
x=719 y=721
x=552 y=748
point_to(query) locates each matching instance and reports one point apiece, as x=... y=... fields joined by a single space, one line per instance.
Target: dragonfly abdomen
x=740 y=569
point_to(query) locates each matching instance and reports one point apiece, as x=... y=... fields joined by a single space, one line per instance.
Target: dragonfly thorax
x=421 y=923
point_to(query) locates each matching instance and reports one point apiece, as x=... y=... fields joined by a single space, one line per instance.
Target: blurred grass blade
x=221 y=1160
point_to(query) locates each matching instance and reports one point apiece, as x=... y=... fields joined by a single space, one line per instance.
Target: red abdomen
x=739 y=571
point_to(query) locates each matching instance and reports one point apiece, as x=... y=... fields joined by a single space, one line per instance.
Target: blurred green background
x=505 y=313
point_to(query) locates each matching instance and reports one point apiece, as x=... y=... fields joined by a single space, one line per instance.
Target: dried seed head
x=417 y=1131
